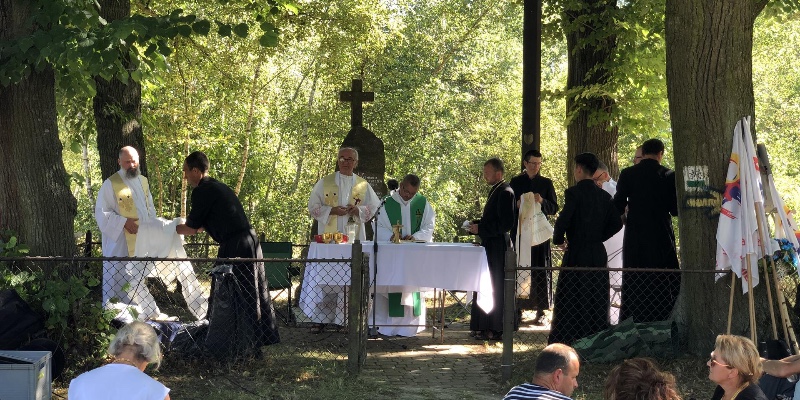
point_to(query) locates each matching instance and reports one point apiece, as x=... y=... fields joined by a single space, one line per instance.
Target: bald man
x=123 y=202
x=555 y=376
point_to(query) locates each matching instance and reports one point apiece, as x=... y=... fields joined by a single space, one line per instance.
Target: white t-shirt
x=116 y=381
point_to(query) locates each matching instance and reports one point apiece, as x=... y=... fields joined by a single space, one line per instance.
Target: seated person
x=639 y=378
x=555 y=376
x=775 y=372
x=735 y=367
x=133 y=348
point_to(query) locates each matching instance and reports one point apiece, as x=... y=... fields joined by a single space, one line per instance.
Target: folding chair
x=279 y=275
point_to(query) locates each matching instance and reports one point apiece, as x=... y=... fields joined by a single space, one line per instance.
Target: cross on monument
x=356 y=96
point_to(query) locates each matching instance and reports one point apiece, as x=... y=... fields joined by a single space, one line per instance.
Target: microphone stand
x=373 y=331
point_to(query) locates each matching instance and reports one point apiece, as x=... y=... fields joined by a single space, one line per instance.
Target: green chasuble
x=417 y=208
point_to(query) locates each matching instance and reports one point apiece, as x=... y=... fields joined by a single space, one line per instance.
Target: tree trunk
x=531 y=76
x=117 y=106
x=710 y=87
x=589 y=49
x=248 y=130
x=87 y=170
x=35 y=200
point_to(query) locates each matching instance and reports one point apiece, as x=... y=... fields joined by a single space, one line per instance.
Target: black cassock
x=581 y=301
x=541 y=287
x=648 y=190
x=496 y=221
x=251 y=323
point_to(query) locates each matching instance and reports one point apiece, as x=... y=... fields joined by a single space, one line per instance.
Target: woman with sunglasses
x=735 y=367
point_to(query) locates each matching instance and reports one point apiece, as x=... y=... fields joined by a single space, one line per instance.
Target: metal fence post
x=357 y=310
x=509 y=313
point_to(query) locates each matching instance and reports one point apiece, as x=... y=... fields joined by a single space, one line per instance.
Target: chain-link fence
x=309 y=310
x=202 y=308
x=610 y=314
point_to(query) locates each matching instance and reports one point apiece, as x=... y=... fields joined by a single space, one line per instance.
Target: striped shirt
x=529 y=391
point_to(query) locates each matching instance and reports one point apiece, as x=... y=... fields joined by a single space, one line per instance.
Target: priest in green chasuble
x=403 y=305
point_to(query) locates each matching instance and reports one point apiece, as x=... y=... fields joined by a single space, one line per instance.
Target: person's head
x=409 y=187
x=735 y=360
x=653 y=149
x=347 y=161
x=195 y=167
x=139 y=340
x=493 y=170
x=637 y=156
x=392 y=184
x=532 y=162
x=129 y=161
x=601 y=176
x=557 y=368
x=585 y=166
x=639 y=378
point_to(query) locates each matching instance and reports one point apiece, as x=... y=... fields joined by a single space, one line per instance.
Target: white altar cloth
x=412 y=266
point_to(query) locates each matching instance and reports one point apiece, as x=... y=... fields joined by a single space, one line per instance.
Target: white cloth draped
x=533 y=229
x=614 y=250
x=318 y=210
x=452 y=266
x=157 y=238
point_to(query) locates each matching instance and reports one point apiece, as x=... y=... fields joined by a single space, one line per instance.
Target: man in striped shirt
x=555 y=376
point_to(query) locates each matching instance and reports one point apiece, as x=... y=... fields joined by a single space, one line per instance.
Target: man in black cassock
x=541 y=280
x=648 y=190
x=217 y=210
x=493 y=227
x=588 y=219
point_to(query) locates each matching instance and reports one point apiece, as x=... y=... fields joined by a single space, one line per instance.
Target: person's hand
x=352 y=210
x=408 y=237
x=537 y=198
x=201 y=229
x=563 y=246
x=131 y=226
x=473 y=228
x=339 y=210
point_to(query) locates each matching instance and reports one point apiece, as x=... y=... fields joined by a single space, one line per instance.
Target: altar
x=403 y=267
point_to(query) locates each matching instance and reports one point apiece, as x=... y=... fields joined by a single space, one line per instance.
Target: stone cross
x=356 y=96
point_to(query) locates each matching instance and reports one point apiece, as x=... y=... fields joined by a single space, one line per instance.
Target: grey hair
x=351 y=149
x=140 y=337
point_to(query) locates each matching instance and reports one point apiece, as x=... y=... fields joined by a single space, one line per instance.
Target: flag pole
x=759 y=216
x=730 y=302
x=750 y=301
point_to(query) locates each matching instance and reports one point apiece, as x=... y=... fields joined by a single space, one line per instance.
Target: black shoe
x=540 y=320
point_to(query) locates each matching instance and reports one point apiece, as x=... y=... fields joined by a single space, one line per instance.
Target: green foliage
x=447 y=79
x=73 y=38
x=73 y=314
x=10 y=246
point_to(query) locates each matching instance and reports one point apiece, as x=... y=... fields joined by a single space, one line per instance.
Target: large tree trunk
x=117 y=106
x=35 y=200
x=589 y=49
x=531 y=76
x=710 y=87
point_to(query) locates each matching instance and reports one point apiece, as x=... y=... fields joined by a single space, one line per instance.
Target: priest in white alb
x=125 y=212
x=400 y=310
x=337 y=200
x=613 y=246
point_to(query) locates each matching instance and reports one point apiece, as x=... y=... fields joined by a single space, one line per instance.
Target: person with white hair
x=134 y=347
